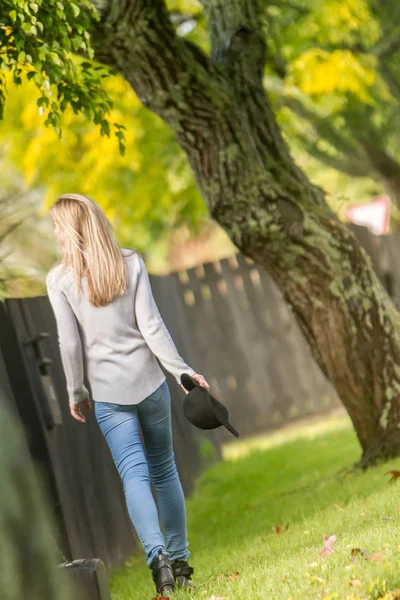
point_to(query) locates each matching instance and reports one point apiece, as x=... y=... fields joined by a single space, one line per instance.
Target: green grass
x=298 y=477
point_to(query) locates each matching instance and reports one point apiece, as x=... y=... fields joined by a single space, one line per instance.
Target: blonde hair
x=89 y=247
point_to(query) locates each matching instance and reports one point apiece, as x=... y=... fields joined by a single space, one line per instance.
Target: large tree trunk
x=220 y=112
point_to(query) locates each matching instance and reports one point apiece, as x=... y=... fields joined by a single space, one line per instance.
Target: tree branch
x=323 y=127
x=390 y=79
x=343 y=164
x=237 y=38
x=387 y=45
x=170 y=80
x=386 y=166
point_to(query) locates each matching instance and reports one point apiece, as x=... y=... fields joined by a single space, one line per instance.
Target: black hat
x=202 y=409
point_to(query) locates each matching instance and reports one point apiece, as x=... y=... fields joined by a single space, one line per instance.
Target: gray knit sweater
x=121 y=340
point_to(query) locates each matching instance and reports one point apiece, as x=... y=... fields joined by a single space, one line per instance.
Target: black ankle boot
x=162 y=573
x=182 y=573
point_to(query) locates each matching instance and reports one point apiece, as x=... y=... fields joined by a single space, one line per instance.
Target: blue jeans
x=119 y=424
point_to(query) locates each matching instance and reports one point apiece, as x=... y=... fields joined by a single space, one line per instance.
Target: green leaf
x=76 y=9
x=13 y=15
x=43 y=100
x=34 y=6
x=105 y=128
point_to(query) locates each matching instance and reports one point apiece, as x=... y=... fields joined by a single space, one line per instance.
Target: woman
x=104 y=307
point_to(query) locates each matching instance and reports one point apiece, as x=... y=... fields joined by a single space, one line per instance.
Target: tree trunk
x=386 y=168
x=220 y=113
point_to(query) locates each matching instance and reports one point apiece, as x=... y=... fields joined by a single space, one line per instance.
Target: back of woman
x=104 y=308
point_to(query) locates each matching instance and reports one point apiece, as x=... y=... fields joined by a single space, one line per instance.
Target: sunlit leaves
x=318 y=72
x=37 y=39
x=334 y=90
x=325 y=23
x=147 y=193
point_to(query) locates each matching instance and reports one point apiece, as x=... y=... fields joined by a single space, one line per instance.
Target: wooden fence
x=73 y=459
x=239 y=333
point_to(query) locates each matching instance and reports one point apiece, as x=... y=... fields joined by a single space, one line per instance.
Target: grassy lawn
x=297 y=479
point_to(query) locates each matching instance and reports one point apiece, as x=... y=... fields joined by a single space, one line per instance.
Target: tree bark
x=221 y=115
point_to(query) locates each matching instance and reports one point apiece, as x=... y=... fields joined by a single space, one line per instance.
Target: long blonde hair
x=89 y=247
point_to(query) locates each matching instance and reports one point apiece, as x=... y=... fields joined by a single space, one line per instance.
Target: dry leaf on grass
x=354 y=582
x=279 y=529
x=233 y=575
x=375 y=557
x=356 y=551
x=367 y=555
x=316 y=578
x=229 y=576
x=395 y=475
x=328 y=543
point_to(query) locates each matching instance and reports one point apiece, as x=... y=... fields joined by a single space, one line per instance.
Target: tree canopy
x=322 y=85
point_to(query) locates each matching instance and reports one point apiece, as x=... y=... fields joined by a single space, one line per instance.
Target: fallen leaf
x=228 y=575
x=316 y=578
x=328 y=543
x=395 y=475
x=356 y=551
x=278 y=528
x=354 y=582
x=375 y=557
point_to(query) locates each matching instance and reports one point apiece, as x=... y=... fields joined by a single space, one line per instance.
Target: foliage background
x=323 y=78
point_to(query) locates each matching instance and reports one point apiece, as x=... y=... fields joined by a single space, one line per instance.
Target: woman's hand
x=75 y=409
x=200 y=380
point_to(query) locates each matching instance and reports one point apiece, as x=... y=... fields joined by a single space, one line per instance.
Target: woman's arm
x=69 y=342
x=153 y=328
